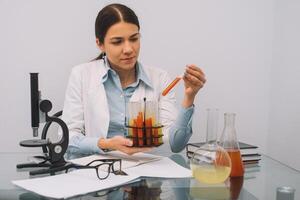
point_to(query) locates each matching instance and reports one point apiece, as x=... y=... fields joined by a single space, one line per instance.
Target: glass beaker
x=230 y=143
x=142 y=121
x=211 y=163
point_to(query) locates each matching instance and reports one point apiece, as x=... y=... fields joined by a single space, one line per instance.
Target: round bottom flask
x=210 y=163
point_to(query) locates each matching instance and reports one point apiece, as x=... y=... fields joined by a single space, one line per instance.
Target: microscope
x=53 y=157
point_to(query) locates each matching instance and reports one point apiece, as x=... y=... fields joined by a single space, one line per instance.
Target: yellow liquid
x=210 y=174
x=210 y=192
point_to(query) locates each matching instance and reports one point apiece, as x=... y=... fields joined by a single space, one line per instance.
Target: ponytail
x=101 y=56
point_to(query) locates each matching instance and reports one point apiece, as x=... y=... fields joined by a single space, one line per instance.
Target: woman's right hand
x=120 y=143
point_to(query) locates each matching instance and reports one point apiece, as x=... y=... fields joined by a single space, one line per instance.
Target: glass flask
x=230 y=143
x=211 y=163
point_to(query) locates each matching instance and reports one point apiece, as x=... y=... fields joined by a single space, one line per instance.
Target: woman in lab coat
x=95 y=98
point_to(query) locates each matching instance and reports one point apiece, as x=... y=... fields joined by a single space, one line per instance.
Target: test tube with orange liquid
x=148 y=122
x=171 y=85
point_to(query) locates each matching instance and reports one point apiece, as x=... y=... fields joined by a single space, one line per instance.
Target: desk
x=261 y=183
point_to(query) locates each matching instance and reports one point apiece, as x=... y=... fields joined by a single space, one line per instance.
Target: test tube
x=171 y=85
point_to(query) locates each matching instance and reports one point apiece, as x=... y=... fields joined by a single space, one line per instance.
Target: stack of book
x=251 y=170
x=249 y=152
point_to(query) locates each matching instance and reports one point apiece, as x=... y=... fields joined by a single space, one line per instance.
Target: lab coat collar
x=101 y=70
x=142 y=75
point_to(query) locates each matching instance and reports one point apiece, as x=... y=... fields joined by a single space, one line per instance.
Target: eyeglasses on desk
x=103 y=167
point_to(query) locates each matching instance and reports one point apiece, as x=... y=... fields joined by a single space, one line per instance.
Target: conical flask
x=230 y=143
x=210 y=163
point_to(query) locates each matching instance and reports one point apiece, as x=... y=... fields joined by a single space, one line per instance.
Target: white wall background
x=231 y=40
x=284 y=133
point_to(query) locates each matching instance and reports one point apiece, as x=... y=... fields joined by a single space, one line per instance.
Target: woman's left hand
x=194 y=80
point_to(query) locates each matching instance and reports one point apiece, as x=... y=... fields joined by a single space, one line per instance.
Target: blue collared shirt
x=118 y=96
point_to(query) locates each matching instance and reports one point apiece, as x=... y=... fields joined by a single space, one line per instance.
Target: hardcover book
x=249 y=152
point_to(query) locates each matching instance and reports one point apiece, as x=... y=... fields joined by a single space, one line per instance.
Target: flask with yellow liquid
x=210 y=163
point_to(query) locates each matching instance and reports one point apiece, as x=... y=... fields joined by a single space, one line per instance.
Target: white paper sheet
x=85 y=180
x=72 y=184
x=127 y=160
x=163 y=168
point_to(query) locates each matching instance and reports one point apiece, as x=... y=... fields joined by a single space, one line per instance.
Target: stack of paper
x=85 y=180
x=72 y=184
x=164 y=168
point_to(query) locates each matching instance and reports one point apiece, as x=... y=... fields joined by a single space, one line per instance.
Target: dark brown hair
x=110 y=15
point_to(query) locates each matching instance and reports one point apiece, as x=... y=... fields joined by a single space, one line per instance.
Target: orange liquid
x=155 y=134
x=145 y=136
x=237 y=167
x=174 y=82
x=148 y=130
x=134 y=133
x=140 y=131
x=236 y=184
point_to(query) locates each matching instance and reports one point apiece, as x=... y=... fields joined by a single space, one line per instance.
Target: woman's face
x=122 y=46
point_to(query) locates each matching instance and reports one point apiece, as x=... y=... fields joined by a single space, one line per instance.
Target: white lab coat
x=86 y=108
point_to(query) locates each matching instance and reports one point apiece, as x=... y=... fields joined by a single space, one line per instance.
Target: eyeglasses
x=103 y=167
